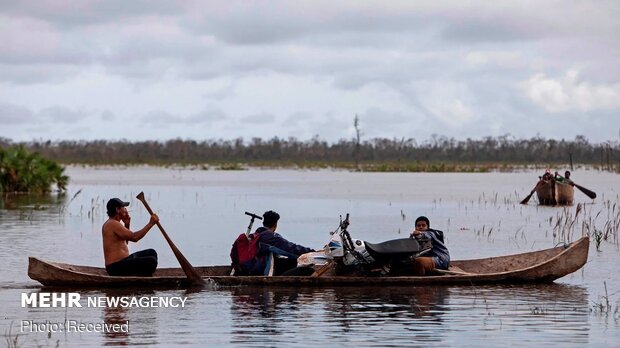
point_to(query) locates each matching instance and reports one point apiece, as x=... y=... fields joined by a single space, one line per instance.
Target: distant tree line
x=400 y=154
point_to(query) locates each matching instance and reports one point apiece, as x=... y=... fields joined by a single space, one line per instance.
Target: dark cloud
x=157 y=118
x=378 y=118
x=262 y=118
x=294 y=119
x=11 y=114
x=160 y=116
x=325 y=126
x=492 y=30
x=36 y=73
x=225 y=92
x=208 y=115
x=453 y=67
x=60 y=114
x=108 y=116
x=76 y=13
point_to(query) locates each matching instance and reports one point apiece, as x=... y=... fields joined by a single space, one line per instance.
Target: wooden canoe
x=555 y=193
x=537 y=266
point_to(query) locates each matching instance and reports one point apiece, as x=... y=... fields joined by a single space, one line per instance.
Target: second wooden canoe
x=555 y=193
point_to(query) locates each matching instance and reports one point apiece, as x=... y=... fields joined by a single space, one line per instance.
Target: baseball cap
x=115 y=203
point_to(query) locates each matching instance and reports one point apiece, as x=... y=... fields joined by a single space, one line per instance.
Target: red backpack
x=243 y=254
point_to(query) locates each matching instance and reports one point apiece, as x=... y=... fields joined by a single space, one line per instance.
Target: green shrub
x=24 y=171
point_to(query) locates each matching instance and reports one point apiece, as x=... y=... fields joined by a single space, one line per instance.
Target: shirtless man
x=116 y=236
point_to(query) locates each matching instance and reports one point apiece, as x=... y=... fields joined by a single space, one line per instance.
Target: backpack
x=243 y=254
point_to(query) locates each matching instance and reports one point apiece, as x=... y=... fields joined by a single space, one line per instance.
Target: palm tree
x=24 y=171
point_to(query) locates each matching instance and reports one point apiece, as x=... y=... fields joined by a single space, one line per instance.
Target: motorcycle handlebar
x=254 y=216
x=345 y=223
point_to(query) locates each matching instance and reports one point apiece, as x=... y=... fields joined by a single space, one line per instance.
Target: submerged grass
x=604 y=307
x=11 y=340
x=565 y=223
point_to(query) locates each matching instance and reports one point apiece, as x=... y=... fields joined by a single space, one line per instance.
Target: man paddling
x=565 y=179
x=116 y=236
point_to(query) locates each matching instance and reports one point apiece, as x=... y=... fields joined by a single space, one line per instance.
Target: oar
x=190 y=271
x=323 y=269
x=527 y=199
x=587 y=192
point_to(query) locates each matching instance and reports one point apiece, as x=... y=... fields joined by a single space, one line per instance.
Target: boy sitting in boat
x=438 y=257
x=116 y=236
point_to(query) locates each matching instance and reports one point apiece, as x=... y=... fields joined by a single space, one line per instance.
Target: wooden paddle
x=587 y=192
x=527 y=199
x=326 y=267
x=452 y=272
x=190 y=271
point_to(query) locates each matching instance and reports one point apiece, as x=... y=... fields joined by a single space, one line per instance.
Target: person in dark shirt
x=271 y=242
x=438 y=257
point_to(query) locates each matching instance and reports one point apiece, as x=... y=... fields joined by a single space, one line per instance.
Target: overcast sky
x=138 y=70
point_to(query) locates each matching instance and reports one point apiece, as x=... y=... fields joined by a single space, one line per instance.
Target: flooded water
x=203 y=211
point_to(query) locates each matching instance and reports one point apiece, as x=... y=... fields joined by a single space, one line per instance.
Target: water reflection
x=344 y=310
x=142 y=322
x=396 y=316
x=33 y=201
x=119 y=316
x=371 y=316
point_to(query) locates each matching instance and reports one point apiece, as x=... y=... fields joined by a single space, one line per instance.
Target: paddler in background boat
x=116 y=236
x=438 y=257
x=565 y=179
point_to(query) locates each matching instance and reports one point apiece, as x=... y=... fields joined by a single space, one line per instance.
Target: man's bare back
x=114 y=247
x=116 y=233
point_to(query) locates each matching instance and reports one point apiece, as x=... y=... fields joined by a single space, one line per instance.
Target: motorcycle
x=357 y=257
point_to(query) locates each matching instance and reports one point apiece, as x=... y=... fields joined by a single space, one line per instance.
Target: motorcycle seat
x=401 y=246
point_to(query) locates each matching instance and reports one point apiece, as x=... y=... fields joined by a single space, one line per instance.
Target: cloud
x=12 y=114
x=71 y=15
x=295 y=119
x=27 y=41
x=569 y=93
x=261 y=118
x=221 y=93
x=108 y=116
x=60 y=114
x=208 y=115
x=451 y=103
x=508 y=59
x=157 y=118
x=478 y=30
x=197 y=68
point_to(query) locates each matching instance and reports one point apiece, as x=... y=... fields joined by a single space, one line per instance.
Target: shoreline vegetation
x=24 y=171
x=438 y=154
x=352 y=167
